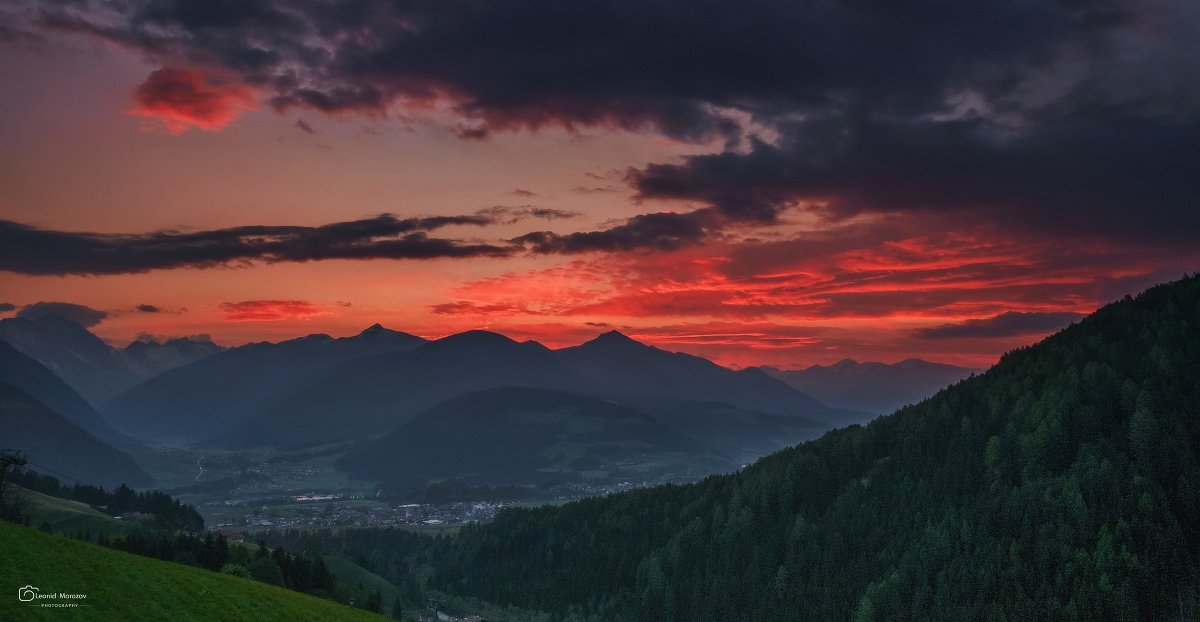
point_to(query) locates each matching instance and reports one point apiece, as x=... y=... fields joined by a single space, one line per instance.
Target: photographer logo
x=60 y=600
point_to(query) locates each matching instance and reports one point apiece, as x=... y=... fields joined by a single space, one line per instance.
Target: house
x=232 y=535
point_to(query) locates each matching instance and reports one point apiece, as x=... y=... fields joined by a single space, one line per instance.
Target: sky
x=760 y=182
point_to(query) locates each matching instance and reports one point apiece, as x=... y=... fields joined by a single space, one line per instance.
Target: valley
x=253 y=491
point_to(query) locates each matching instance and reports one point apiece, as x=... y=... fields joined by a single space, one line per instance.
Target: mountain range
x=211 y=397
x=95 y=369
x=876 y=388
x=318 y=390
x=403 y=399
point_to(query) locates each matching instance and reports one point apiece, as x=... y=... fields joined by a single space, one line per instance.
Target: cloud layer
x=80 y=314
x=186 y=98
x=1045 y=115
x=1008 y=324
x=29 y=250
x=270 y=310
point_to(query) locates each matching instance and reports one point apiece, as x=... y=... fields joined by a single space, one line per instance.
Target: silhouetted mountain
x=80 y=358
x=60 y=447
x=876 y=388
x=213 y=395
x=30 y=376
x=515 y=436
x=317 y=390
x=624 y=366
x=369 y=396
x=1061 y=484
x=149 y=358
x=89 y=365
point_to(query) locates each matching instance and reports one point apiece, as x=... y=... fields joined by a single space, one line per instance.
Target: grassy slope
x=121 y=586
x=349 y=573
x=66 y=516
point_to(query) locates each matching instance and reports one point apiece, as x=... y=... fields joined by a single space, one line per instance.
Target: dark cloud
x=509 y=214
x=81 y=315
x=676 y=66
x=305 y=127
x=660 y=231
x=593 y=189
x=1109 y=176
x=149 y=309
x=5 y=307
x=521 y=192
x=30 y=250
x=146 y=337
x=1061 y=115
x=1009 y=324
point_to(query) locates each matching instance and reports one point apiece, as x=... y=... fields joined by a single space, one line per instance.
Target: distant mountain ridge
x=876 y=388
x=320 y=390
x=147 y=357
x=216 y=394
x=95 y=369
x=629 y=367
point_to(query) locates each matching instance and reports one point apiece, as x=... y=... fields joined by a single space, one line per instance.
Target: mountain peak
x=475 y=337
x=615 y=337
x=60 y=323
x=377 y=330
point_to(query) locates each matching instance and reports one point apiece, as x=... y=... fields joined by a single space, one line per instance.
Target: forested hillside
x=1062 y=484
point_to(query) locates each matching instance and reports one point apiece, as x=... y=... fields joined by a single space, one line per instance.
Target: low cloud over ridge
x=1008 y=324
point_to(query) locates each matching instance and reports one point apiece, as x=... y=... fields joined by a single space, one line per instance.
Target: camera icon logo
x=27 y=593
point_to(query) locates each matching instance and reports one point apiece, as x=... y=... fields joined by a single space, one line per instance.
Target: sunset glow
x=192 y=178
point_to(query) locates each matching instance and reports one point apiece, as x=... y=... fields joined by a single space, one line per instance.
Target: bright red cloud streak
x=872 y=298
x=186 y=98
x=270 y=310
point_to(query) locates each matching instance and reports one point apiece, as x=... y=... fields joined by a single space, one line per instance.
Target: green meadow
x=120 y=586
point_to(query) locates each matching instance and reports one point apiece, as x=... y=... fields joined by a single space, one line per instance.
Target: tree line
x=168 y=513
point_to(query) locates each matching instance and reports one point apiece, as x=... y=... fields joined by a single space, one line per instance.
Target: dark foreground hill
x=1062 y=484
x=121 y=586
x=52 y=442
x=523 y=436
x=32 y=377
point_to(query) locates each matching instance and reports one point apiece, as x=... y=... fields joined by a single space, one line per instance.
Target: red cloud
x=183 y=98
x=270 y=310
